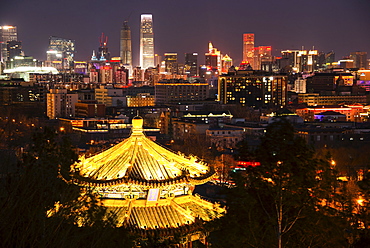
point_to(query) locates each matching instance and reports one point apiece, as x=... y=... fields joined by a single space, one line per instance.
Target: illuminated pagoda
x=148 y=187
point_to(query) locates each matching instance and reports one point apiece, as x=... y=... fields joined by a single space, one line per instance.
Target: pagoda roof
x=164 y=214
x=140 y=161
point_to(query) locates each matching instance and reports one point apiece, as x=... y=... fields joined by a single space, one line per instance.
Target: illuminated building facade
x=353 y=113
x=125 y=46
x=170 y=60
x=252 y=90
x=148 y=187
x=213 y=58
x=191 y=64
x=110 y=96
x=248 y=48
x=14 y=49
x=141 y=100
x=60 y=103
x=262 y=58
x=7 y=33
x=171 y=91
x=146 y=41
x=359 y=60
x=303 y=60
x=314 y=99
x=226 y=63
x=61 y=53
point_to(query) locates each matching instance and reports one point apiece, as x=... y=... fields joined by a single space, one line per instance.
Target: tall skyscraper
x=191 y=64
x=248 y=48
x=61 y=50
x=14 y=48
x=125 y=46
x=359 y=60
x=146 y=41
x=170 y=60
x=7 y=33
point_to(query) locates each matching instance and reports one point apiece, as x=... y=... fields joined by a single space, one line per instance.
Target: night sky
x=188 y=26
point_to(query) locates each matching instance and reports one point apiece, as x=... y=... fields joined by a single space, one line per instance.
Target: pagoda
x=148 y=187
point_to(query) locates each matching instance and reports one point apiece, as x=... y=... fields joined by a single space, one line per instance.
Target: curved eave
x=184 y=178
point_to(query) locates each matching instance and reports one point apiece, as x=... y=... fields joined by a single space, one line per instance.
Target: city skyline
x=186 y=27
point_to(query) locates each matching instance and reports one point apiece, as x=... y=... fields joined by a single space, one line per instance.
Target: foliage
x=279 y=204
x=29 y=194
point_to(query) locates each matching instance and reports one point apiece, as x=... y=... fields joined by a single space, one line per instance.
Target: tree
x=28 y=196
x=279 y=204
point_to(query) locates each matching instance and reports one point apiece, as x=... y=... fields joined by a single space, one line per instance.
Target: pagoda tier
x=142 y=162
x=164 y=213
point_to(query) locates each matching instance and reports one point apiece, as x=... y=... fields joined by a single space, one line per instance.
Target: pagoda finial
x=137 y=124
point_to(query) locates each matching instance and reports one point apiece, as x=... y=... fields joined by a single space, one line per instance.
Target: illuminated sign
x=153 y=195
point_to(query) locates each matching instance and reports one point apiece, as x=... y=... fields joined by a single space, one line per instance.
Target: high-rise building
x=359 y=60
x=226 y=63
x=125 y=46
x=253 y=90
x=301 y=60
x=61 y=50
x=7 y=33
x=213 y=58
x=262 y=58
x=248 y=48
x=191 y=64
x=170 y=60
x=61 y=103
x=14 y=48
x=146 y=41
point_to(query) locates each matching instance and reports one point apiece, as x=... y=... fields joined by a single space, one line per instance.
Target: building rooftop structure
x=147 y=186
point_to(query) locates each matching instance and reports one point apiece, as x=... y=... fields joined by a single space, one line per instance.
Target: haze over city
x=188 y=26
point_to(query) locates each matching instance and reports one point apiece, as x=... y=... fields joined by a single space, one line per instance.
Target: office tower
x=191 y=64
x=359 y=60
x=213 y=58
x=226 y=63
x=125 y=46
x=301 y=60
x=262 y=58
x=248 y=48
x=252 y=90
x=146 y=41
x=14 y=48
x=61 y=50
x=7 y=33
x=170 y=61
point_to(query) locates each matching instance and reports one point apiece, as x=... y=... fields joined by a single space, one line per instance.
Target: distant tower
x=125 y=46
x=170 y=60
x=248 y=48
x=62 y=50
x=7 y=33
x=191 y=64
x=146 y=41
x=359 y=59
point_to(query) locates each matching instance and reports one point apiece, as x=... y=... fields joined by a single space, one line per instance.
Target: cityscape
x=137 y=142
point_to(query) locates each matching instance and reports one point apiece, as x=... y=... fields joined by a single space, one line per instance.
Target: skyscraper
x=146 y=41
x=248 y=48
x=359 y=59
x=125 y=46
x=61 y=50
x=170 y=60
x=7 y=33
x=191 y=64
